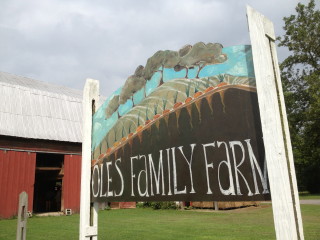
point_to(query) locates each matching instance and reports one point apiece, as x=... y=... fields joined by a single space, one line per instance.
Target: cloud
x=65 y=42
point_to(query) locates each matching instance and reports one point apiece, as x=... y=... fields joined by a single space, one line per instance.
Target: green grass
x=250 y=223
x=163 y=224
x=307 y=195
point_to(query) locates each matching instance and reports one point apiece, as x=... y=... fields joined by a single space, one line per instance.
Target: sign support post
x=278 y=149
x=273 y=135
x=22 y=216
x=88 y=212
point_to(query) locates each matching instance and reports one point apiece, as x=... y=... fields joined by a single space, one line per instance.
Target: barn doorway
x=48 y=182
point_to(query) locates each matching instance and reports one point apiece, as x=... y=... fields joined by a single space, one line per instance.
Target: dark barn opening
x=48 y=182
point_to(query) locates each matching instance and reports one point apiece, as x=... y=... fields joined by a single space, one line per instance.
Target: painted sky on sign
x=239 y=63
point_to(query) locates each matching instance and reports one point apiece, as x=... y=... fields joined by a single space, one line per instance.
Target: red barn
x=40 y=145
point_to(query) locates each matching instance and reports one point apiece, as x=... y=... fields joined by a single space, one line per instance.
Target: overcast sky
x=67 y=41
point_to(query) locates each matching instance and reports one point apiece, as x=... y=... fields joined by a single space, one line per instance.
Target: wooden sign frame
x=278 y=150
x=88 y=211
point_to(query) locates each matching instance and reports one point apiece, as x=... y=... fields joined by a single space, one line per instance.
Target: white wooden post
x=22 y=216
x=216 y=206
x=276 y=136
x=88 y=213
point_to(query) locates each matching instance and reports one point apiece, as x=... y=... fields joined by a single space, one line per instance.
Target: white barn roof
x=39 y=110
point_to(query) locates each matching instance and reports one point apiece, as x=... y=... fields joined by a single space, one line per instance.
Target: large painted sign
x=185 y=127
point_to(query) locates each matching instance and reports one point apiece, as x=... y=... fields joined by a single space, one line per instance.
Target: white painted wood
x=92 y=231
x=22 y=217
x=287 y=140
x=88 y=221
x=278 y=150
x=216 y=206
x=268 y=29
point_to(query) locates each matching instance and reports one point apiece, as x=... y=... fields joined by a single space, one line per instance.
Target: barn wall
x=17 y=173
x=127 y=204
x=39 y=145
x=72 y=182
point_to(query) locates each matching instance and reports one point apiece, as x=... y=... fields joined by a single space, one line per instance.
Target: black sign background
x=222 y=133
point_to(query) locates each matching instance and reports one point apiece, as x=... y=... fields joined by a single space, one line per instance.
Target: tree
x=301 y=83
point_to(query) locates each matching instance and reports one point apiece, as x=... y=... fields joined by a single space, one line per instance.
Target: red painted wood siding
x=17 y=173
x=117 y=205
x=72 y=182
x=127 y=204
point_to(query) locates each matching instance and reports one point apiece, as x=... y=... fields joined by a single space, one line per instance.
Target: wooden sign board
x=196 y=124
x=186 y=127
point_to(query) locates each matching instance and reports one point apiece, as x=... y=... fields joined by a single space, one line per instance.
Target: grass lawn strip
x=244 y=223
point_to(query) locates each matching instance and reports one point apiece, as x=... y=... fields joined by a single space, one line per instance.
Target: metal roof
x=39 y=110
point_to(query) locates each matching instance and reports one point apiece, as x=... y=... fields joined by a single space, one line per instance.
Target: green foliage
x=147 y=110
x=130 y=128
x=175 y=97
x=155 y=108
x=163 y=205
x=143 y=204
x=221 y=77
x=207 y=83
x=107 y=143
x=139 y=205
x=107 y=208
x=123 y=132
x=138 y=123
x=301 y=83
x=187 y=91
x=157 y=205
x=115 y=134
x=164 y=103
x=197 y=86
